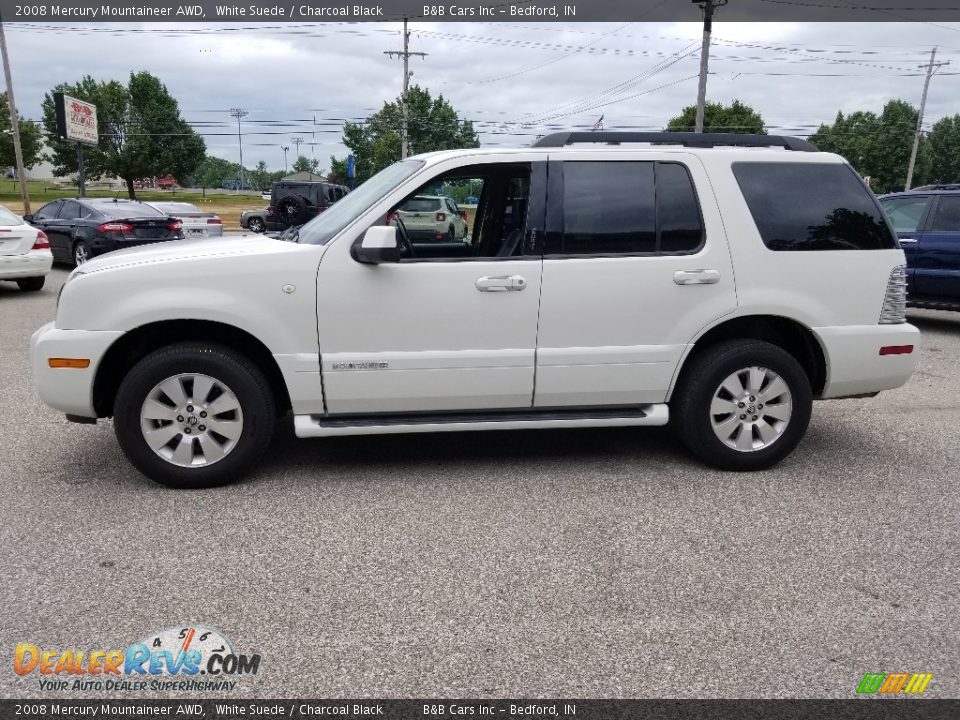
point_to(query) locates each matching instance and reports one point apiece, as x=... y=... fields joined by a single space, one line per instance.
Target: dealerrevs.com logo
x=187 y=657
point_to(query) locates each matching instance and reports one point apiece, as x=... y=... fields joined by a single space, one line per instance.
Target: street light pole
x=239 y=113
x=14 y=124
x=284 y=148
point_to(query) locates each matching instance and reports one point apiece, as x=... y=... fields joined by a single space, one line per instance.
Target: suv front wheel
x=194 y=415
x=743 y=405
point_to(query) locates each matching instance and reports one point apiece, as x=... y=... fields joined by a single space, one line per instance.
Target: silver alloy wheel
x=191 y=420
x=80 y=254
x=751 y=409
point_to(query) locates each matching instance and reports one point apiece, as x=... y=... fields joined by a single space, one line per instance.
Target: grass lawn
x=224 y=203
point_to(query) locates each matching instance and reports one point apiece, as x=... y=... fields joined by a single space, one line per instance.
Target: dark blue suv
x=927 y=221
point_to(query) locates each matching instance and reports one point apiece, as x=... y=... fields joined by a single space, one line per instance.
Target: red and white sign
x=81 y=120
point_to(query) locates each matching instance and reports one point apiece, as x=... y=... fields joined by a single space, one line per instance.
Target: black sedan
x=80 y=229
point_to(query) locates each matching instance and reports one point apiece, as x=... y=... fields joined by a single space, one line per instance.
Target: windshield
x=325 y=226
x=420 y=204
x=123 y=210
x=7 y=218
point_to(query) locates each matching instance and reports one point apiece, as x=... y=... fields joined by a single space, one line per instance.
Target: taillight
x=270 y=210
x=441 y=217
x=175 y=226
x=115 y=227
x=896 y=349
x=42 y=242
x=214 y=221
x=894 y=310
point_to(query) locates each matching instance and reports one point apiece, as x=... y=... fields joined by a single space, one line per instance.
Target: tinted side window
x=906 y=212
x=609 y=207
x=70 y=211
x=678 y=213
x=947 y=216
x=48 y=211
x=812 y=206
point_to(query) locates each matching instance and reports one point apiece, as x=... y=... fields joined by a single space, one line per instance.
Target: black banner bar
x=306 y=11
x=432 y=709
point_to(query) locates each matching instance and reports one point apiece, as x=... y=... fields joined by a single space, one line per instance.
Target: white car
x=433 y=218
x=613 y=279
x=24 y=252
x=197 y=223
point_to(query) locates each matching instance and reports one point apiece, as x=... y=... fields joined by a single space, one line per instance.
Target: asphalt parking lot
x=598 y=563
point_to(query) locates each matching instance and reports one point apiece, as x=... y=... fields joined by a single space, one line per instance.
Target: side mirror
x=28 y=218
x=379 y=245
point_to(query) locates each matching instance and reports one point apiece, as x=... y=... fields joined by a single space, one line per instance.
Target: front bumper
x=69 y=390
x=854 y=363
x=33 y=263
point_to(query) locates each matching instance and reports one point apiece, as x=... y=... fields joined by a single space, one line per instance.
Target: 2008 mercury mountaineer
x=719 y=282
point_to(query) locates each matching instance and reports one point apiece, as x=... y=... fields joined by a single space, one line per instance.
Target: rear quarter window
x=812 y=206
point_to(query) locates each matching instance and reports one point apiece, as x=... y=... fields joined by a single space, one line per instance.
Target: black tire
x=451 y=235
x=701 y=380
x=81 y=253
x=293 y=209
x=221 y=363
x=31 y=284
x=256 y=225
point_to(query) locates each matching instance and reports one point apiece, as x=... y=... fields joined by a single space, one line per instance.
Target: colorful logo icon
x=894 y=683
x=185 y=651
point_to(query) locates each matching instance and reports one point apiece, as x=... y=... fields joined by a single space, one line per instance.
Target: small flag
x=598 y=125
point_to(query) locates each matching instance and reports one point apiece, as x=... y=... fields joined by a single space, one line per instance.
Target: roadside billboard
x=76 y=119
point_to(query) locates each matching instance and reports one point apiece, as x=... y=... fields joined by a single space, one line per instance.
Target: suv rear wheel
x=194 y=415
x=744 y=405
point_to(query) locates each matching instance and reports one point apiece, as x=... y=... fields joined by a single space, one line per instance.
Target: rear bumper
x=854 y=363
x=33 y=263
x=69 y=390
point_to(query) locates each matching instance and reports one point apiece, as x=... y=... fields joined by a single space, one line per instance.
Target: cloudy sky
x=513 y=80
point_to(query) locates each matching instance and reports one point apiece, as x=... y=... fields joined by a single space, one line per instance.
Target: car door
x=635 y=265
x=908 y=213
x=65 y=224
x=45 y=219
x=937 y=273
x=435 y=333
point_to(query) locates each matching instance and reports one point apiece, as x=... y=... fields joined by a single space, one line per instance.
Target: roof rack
x=687 y=139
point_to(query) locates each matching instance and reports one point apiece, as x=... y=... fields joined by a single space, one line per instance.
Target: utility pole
x=14 y=124
x=239 y=113
x=405 y=54
x=931 y=67
x=284 y=148
x=708 y=6
x=297 y=141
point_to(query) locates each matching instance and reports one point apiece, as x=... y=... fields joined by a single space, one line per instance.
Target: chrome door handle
x=696 y=277
x=907 y=240
x=501 y=283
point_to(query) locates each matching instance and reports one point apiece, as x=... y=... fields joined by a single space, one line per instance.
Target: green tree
x=375 y=143
x=737 y=118
x=213 y=172
x=141 y=132
x=305 y=164
x=259 y=177
x=878 y=146
x=943 y=150
x=30 y=142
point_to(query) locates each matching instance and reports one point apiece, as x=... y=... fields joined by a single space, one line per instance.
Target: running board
x=324 y=426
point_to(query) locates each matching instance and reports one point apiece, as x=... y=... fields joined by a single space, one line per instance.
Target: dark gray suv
x=294 y=203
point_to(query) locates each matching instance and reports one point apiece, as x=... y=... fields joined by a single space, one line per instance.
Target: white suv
x=432 y=218
x=719 y=282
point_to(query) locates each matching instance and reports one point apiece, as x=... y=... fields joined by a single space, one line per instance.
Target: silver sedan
x=197 y=223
